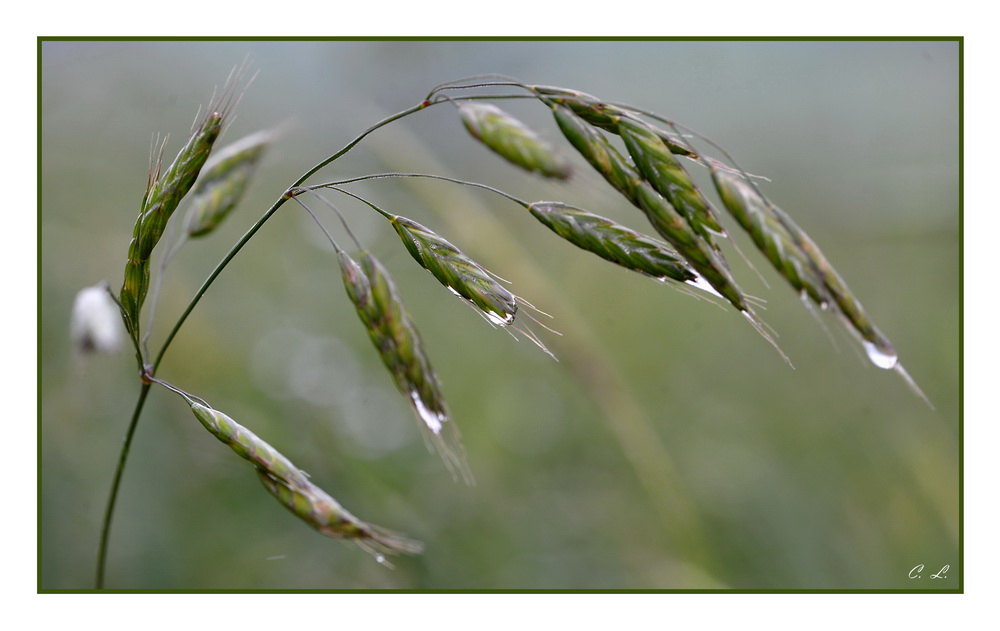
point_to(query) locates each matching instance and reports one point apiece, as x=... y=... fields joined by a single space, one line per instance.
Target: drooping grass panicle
x=294 y=490
x=512 y=140
x=391 y=330
x=706 y=260
x=787 y=247
x=223 y=181
x=665 y=219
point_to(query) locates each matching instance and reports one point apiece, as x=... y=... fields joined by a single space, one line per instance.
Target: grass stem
x=102 y=550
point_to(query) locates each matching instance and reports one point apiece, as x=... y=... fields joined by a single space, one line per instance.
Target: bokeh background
x=669 y=448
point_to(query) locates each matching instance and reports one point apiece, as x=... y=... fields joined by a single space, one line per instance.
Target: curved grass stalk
x=148 y=370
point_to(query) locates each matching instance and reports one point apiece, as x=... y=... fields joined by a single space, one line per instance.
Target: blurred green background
x=670 y=448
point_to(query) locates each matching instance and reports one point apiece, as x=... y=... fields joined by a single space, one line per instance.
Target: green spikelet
x=293 y=489
x=163 y=194
x=799 y=260
x=223 y=181
x=614 y=242
x=770 y=236
x=596 y=149
x=391 y=330
x=668 y=223
x=603 y=115
x=661 y=169
x=513 y=140
x=675 y=229
x=456 y=271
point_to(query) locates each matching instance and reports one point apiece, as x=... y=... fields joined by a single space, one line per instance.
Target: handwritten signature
x=918 y=571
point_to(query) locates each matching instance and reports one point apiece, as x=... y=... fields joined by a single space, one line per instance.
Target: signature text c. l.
x=917 y=572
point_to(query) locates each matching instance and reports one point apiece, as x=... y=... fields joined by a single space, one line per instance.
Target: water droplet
x=702 y=284
x=431 y=419
x=881 y=357
x=380 y=558
x=499 y=319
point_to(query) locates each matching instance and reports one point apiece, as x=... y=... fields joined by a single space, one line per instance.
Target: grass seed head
x=614 y=242
x=801 y=263
x=296 y=492
x=603 y=115
x=162 y=197
x=664 y=172
x=587 y=107
x=324 y=514
x=223 y=181
x=248 y=445
x=770 y=236
x=596 y=149
x=393 y=334
x=456 y=271
x=513 y=140
x=703 y=258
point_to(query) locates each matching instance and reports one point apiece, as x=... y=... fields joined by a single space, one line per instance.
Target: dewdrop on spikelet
x=618 y=244
x=456 y=271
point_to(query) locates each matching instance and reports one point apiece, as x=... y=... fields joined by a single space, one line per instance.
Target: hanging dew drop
x=882 y=358
x=431 y=419
x=499 y=319
x=702 y=284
